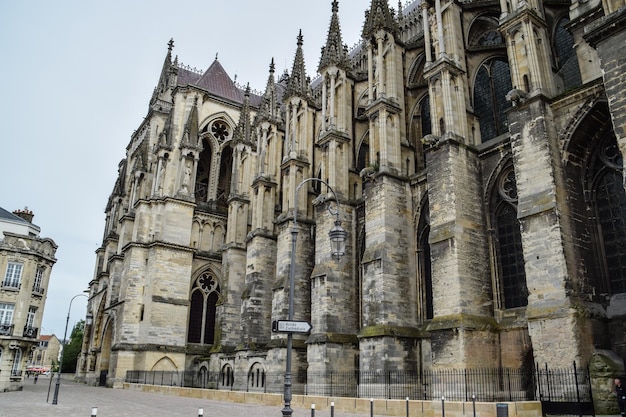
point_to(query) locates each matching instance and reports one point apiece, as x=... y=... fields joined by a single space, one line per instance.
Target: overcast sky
x=77 y=77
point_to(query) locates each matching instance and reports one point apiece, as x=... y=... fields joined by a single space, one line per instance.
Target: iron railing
x=485 y=384
x=564 y=391
x=11 y=285
x=6 y=329
x=30 y=332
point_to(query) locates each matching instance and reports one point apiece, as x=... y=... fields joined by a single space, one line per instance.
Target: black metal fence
x=564 y=391
x=553 y=386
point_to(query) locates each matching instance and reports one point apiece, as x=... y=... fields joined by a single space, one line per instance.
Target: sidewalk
x=77 y=400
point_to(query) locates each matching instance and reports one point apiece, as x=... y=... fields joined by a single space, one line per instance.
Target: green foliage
x=73 y=347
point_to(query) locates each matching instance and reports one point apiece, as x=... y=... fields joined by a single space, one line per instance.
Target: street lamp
x=338 y=247
x=88 y=319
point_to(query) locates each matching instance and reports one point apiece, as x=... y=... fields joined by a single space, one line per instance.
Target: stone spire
x=298 y=82
x=269 y=108
x=243 y=131
x=378 y=17
x=334 y=52
x=165 y=80
x=190 y=134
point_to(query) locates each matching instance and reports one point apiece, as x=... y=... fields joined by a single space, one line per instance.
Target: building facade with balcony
x=26 y=261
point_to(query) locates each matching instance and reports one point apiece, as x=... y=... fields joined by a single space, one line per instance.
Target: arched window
x=224 y=179
x=425 y=278
x=208 y=188
x=221 y=130
x=256 y=377
x=510 y=272
x=363 y=157
x=484 y=33
x=203 y=377
x=566 y=61
x=490 y=38
x=416 y=73
x=227 y=376
x=609 y=204
x=420 y=127
x=204 y=296
x=493 y=82
x=204 y=173
x=16 y=368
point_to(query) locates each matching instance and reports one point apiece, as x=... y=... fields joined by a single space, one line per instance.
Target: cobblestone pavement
x=78 y=400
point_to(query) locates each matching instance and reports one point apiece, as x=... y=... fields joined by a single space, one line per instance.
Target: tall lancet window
x=204 y=296
x=493 y=82
x=566 y=60
x=204 y=173
x=425 y=278
x=507 y=243
x=605 y=179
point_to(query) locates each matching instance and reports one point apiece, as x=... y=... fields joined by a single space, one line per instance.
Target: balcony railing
x=38 y=290
x=30 y=332
x=6 y=329
x=7 y=285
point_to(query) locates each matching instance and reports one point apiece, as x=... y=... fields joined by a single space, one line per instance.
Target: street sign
x=290 y=326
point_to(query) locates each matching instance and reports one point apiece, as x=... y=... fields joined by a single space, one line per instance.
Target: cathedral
x=471 y=151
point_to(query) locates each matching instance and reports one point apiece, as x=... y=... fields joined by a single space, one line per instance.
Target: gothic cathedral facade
x=474 y=154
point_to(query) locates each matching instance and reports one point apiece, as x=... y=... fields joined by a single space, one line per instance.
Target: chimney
x=25 y=214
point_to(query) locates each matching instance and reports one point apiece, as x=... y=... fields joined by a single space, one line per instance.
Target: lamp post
x=338 y=246
x=88 y=319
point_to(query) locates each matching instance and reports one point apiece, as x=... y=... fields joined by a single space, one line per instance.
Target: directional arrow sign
x=290 y=326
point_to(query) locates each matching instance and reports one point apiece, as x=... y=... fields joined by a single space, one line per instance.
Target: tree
x=73 y=347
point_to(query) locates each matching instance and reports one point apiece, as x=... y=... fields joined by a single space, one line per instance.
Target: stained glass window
x=493 y=82
x=510 y=258
x=204 y=297
x=510 y=273
x=425 y=265
x=220 y=130
x=610 y=202
x=567 y=62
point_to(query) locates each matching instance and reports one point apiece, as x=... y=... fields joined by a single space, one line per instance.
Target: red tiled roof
x=216 y=81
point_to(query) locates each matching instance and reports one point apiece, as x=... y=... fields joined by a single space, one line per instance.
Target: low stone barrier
x=356 y=405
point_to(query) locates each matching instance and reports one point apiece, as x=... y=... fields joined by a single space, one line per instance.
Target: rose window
x=220 y=130
x=207 y=283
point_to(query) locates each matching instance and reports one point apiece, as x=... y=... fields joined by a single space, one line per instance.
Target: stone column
x=552 y=315
x=462 y=329
x=389 y=308
x=332 y=344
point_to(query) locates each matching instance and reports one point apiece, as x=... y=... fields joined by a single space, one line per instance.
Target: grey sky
x=77 y=77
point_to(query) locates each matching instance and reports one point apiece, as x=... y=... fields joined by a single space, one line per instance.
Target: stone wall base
x=351 y=405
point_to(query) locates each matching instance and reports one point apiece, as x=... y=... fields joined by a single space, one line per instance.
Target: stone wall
x=361 y=406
